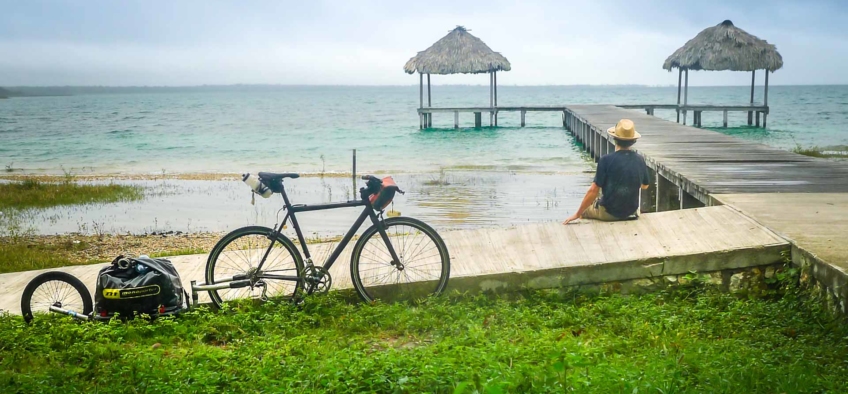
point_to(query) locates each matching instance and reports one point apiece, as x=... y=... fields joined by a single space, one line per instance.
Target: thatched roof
x=459 y=52
x=725 y=47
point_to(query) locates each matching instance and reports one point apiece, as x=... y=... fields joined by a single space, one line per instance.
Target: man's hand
x=571 y=219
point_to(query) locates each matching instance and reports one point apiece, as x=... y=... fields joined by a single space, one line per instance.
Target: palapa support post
x=429 y=99
x=686 y=95
x=495 y=83
x=679 y=85
x=421 y=90
x=765 y=100
x=491 y=99
x=750 y=113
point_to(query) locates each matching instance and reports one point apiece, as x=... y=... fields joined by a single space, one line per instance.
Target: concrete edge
x=592 y=274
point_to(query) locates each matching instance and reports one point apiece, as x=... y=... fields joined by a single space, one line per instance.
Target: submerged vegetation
x=815 y=151
x=33 y=193
x=692 y=339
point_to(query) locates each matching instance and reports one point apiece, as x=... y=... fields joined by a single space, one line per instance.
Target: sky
x=364 y=42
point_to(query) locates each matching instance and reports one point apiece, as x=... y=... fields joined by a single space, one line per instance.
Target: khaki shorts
x=598 y=212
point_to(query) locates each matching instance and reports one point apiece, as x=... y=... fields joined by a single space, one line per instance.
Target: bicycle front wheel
x=423 y=268
x=238 y=256
x=57 y=289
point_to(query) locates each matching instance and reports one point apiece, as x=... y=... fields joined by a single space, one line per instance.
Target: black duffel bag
x=131 y=286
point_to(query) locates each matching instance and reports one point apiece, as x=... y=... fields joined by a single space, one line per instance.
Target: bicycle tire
x=54 y=294
x=413 y=288
x=241 y=233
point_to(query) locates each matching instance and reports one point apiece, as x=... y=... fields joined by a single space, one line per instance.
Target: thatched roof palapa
x=459 y=52
x=725 y=47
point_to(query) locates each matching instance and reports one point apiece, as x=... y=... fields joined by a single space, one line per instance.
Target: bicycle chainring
x=316 y=279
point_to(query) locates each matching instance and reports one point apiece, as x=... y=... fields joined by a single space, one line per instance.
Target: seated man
x=618 y=181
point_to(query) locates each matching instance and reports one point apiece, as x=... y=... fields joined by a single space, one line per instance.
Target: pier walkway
x=802 y=198
x=548 y=255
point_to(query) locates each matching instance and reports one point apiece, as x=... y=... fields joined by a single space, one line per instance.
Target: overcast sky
x=121 y=43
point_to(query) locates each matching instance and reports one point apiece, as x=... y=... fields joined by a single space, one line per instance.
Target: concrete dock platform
x=548 y=255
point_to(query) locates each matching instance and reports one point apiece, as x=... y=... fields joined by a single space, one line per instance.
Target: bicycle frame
x=291 y=210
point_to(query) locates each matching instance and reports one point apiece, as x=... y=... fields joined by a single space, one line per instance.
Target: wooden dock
x=425 y=114
x=547 y=255
x=804 y=199
x=693 y=164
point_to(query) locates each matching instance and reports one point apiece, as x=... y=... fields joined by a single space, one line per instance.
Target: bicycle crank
x=316 y=279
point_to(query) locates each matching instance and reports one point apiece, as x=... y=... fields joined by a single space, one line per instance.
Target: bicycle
x=394 y=259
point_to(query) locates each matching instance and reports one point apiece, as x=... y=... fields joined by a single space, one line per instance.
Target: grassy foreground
x=689 y=340
x=33 y=193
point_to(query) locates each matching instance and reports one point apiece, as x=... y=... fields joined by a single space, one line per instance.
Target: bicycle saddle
x=274 y=177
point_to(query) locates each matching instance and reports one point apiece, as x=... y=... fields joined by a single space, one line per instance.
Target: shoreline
x=224 y=176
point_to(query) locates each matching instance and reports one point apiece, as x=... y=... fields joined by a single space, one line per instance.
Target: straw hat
x=624 y=130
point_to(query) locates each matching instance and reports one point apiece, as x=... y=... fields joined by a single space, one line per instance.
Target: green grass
x=18 y=255
x=32 y=193
x=692 y=340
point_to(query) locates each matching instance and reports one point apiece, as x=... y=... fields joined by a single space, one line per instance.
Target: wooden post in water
x=495 y=78
x=353 y=176
x=478 y=119
x=725 y=118
x=456 y=119
x=765 y=101
x=420 y=100
x=679 y=83
x=686 y=95
x=491 y=98
x=429 y=100
x=753 y=78
x=522 y=117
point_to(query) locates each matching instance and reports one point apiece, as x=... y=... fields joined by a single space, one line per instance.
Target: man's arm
x=588 y=199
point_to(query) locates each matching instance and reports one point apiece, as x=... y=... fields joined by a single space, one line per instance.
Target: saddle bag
x=138 y=285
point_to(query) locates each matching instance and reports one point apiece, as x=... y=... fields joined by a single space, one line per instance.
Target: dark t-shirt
x=621 y=176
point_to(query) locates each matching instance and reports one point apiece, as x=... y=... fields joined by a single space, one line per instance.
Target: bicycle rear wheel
x=424 y=266
x=58 y=289
x=238 y=255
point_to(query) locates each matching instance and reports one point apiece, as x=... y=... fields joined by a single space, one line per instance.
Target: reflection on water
x=446 y=200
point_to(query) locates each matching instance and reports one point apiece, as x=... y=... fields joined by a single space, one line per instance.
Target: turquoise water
x=454 y=178
x=310 y=129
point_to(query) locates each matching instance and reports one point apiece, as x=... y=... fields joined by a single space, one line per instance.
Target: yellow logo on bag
x=132 y=292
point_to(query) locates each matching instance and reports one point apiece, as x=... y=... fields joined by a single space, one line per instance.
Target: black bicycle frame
x=291 y=210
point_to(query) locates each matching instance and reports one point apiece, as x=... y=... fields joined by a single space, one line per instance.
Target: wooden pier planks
x=718 y=163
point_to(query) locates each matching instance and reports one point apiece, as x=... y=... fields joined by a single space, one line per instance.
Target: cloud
x=367 y=42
